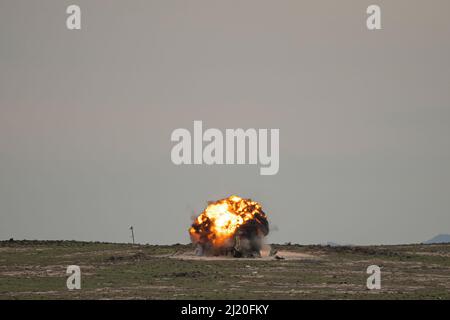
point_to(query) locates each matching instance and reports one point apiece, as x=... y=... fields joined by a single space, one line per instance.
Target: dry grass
x=36 y=270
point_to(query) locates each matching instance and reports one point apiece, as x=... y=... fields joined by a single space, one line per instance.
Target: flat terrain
x=37 y=270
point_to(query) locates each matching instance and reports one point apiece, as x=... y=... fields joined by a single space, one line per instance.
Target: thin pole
x=132 y=233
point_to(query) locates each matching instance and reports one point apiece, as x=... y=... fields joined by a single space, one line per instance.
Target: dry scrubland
x=36 y=270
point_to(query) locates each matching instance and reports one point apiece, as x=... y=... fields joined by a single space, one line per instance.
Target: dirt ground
x=281 y=255
x=37 y=270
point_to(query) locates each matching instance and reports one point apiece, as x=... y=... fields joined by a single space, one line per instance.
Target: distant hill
x=441 y=238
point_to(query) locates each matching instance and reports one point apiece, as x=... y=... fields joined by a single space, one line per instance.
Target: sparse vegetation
x=37 y=270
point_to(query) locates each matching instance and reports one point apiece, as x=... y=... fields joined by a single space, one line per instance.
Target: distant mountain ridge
x=440 y=238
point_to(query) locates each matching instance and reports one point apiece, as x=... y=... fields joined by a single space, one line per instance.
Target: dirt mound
x=280 y=255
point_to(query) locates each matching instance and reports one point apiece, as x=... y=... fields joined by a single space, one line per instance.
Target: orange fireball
x=222 y=219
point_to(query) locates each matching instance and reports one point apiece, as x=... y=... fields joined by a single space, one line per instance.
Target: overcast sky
x=86 y=117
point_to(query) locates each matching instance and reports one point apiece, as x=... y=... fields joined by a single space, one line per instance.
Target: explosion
x=230 y=226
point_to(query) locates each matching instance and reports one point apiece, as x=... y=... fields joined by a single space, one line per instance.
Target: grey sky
x=86 y=117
